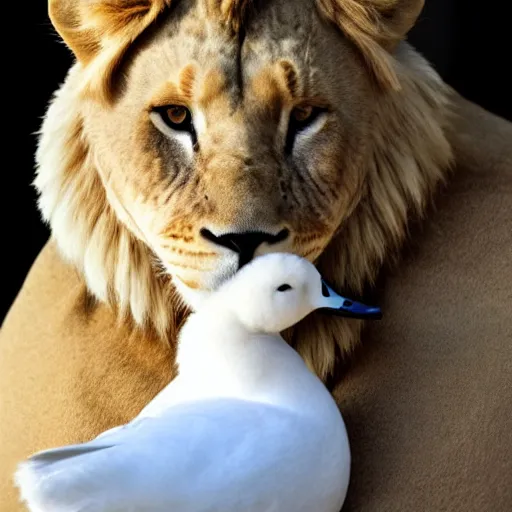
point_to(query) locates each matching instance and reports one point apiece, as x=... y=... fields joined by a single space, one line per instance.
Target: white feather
x=244 y=427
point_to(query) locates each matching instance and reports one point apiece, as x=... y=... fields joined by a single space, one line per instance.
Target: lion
x=190 y=137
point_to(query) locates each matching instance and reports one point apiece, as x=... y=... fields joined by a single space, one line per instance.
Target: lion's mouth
x=244 y=244
x=197 y=273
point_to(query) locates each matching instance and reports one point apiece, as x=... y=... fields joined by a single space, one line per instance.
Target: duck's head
x=277 y=290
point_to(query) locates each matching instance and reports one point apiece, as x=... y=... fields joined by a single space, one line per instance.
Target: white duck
x=245 y=427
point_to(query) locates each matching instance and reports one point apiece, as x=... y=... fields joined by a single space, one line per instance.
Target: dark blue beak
x=334 y=304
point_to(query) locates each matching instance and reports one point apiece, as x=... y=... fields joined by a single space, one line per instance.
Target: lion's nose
x=246 y=243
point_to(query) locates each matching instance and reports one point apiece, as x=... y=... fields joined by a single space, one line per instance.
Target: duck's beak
x=334 y=304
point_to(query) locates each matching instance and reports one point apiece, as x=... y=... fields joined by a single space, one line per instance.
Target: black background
x=468 y=42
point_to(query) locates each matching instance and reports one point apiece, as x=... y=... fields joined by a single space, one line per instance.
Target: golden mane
x=409 y=157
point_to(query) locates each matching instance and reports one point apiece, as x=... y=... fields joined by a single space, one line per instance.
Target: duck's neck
x=217 y=346
x=218 y=357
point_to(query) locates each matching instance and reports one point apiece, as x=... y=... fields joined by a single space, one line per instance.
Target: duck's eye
x=284 y=287
x=300 y=118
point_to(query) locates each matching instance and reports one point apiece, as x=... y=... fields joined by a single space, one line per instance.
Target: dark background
x=467 y=42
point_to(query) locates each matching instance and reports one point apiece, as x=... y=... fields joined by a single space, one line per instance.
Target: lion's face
x=220 y=147
x=191 y=136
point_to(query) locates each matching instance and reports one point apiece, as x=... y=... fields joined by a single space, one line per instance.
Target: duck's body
x=244 y=427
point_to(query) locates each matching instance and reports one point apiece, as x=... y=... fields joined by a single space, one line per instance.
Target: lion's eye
x=179 y=119
x=176 y=117
x=300 y=118
x=302 y=114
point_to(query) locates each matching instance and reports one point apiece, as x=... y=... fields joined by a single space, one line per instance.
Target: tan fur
x=118 y=220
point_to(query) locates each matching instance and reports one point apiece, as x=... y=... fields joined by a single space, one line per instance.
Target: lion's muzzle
x=245 y=243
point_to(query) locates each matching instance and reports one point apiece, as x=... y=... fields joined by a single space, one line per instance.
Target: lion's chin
x=195 y=289
x=193 y=298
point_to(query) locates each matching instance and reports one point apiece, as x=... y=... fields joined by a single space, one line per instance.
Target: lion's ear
x=375 y=26
x=397 y=18
x=100 y=31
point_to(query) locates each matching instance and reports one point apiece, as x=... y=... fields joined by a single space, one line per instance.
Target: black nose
x=245 y=244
